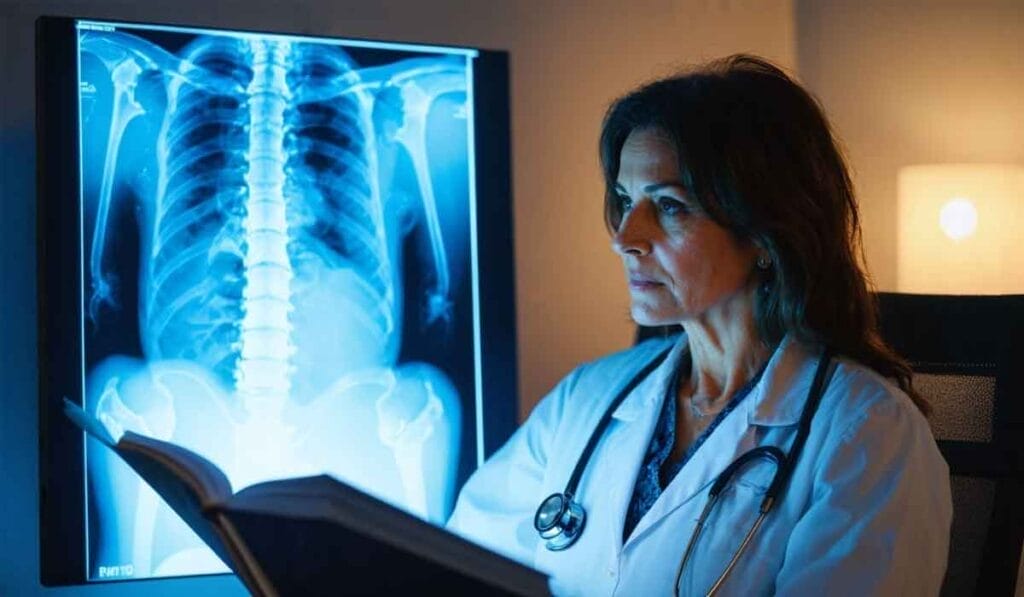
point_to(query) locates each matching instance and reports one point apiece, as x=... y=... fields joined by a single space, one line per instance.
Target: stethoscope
x=560 y=518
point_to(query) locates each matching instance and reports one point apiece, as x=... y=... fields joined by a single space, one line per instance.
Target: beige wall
x=914 y=82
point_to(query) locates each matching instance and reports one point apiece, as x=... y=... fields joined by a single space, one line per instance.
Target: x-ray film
x=276 y=270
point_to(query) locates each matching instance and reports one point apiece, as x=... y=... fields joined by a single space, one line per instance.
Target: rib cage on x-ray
x=233 y=173
x=272 y=210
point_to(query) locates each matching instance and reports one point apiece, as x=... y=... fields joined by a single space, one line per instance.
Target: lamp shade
x=960 y=229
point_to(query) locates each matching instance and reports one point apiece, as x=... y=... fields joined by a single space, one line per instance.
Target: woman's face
x=679 y=262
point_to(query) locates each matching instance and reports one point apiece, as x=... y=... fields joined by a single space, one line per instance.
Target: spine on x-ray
x=263 y=370
x=254 y=174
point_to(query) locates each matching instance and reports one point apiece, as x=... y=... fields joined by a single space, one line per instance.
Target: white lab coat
x=867 y=511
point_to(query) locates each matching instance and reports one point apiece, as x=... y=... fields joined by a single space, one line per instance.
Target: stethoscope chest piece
x=560 y=520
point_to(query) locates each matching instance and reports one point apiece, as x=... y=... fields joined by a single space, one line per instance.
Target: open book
x=313 y=535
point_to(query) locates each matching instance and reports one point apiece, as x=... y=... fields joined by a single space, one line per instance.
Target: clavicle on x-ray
x=250 y=204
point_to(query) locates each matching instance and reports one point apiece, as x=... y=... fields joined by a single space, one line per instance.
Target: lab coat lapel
x=720 y=448
x=633 y=424
x=647 y=396
x=775 y=401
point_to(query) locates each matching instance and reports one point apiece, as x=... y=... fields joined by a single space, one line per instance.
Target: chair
x=967 y=353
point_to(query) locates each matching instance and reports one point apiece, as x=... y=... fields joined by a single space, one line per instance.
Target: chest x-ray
x=275 y=270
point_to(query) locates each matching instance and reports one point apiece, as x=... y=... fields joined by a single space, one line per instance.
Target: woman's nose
x=634 y=235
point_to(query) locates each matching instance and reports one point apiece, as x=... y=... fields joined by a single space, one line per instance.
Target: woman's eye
x=670 y=206
x=625 y=203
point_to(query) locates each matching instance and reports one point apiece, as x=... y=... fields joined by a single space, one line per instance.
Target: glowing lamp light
x=961 y=229
x=958 y=219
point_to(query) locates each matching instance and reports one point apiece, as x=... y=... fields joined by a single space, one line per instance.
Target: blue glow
x=271 y=225
x=478 y=380
x=81 y=301
x=351 y=43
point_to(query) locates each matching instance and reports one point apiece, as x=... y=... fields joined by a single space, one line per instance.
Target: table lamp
x=960 y=229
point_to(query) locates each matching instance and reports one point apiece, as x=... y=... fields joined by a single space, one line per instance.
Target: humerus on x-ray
x=253 y=207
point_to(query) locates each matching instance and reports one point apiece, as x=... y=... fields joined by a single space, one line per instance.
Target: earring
x=764 y=261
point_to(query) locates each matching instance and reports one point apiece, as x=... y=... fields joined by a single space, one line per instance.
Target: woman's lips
x=643 y=283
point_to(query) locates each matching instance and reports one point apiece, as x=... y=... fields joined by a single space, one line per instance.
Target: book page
x=202 y=477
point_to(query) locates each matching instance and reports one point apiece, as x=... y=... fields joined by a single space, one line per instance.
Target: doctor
x=733 y=213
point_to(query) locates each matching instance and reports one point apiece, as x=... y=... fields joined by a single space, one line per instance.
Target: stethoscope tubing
x=784 y=466
x=560 y=519
x=563 y=524
x=602 y=424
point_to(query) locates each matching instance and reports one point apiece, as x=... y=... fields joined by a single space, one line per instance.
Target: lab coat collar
x=649 y=392
x=778 y=398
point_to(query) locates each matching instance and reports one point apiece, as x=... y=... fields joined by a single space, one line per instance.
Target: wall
x=568 y=60
x=914 y=82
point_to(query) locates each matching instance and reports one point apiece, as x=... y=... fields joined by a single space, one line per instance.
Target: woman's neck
x=726 y=352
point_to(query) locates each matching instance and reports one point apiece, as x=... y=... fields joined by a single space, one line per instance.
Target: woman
x=733 y=213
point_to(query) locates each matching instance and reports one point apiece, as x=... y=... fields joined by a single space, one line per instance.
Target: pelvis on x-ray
x=267 y=195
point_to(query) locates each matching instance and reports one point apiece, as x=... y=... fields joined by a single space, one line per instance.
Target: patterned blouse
x=652 y=480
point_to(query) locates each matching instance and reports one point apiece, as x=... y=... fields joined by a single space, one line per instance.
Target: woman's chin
x=647 y=318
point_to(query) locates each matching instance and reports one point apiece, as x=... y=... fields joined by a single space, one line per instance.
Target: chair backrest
x=967 y=353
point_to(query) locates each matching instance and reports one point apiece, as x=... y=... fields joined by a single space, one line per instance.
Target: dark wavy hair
x=757 y=153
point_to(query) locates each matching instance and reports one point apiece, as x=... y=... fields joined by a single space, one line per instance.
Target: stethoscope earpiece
x=560 y=520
